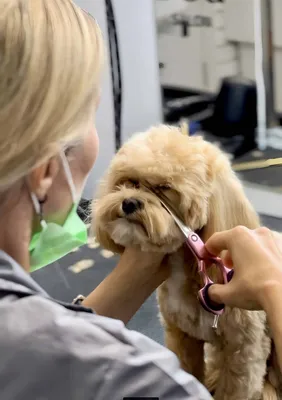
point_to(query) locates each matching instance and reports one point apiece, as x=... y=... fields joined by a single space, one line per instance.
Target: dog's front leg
x=244 y=348
x=189 y=350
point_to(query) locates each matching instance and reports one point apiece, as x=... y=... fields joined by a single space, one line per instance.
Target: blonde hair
x=51 y=53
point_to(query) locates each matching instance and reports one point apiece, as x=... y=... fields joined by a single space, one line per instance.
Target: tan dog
x=198 y=179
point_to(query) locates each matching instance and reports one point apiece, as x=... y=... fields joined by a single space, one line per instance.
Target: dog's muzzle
x=131 y=205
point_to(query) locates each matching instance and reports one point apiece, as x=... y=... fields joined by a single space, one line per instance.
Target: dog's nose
x=129 y=206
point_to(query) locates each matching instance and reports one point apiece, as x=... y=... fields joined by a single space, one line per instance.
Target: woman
x=51 y=54
x=257 y=282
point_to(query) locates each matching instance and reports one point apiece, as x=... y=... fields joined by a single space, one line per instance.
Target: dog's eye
x=134 y=183
x=163 y=187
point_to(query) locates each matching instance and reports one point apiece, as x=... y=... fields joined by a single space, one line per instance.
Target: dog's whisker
x=150 y=231
x=113 y=209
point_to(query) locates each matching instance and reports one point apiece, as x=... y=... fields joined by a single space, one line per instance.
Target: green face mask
x=55 y=241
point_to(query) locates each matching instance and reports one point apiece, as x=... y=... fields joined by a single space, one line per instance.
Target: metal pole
x=267 y=63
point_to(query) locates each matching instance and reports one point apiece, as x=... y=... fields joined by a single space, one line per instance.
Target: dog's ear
x=97 y=224
x=228 y=205
x=101 y=235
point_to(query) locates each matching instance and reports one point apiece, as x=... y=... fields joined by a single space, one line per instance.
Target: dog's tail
x=211 y=381
x=269 y=392
x=271 y=384
x=269 y=389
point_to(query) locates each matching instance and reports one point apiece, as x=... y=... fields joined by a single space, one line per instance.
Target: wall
x=141 y=108
x=244 y=37
x=105 y=115
x=200 y=60
x=220 y=53
x=136 y=26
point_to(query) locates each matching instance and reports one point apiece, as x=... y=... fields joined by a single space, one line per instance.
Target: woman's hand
x=256 y=257
x=137 y=275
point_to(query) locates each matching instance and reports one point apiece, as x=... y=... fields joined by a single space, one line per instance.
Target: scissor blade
x=166 y=204
x=164 y=199
x=184 y=229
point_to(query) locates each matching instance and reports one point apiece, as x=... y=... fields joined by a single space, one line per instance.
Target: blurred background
x=215 y=65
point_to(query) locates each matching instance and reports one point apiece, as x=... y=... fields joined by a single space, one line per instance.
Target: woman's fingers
x=218 y=243
x=224 y=240
x=254 y=255
x=226 y=258
x=219 y=294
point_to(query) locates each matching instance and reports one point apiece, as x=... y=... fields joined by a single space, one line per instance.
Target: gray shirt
x=55 y=351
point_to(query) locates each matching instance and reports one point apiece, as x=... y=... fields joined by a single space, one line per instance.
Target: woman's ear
x=42 y=177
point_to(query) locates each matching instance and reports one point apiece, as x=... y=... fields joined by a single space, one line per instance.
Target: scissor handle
x=207 y=304
x=197 y=246
x=205 y=259
x=203 y=294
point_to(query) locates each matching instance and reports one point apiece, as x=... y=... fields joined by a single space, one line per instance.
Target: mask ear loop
x=38 y=205
x=69 y=176
x=38 y=209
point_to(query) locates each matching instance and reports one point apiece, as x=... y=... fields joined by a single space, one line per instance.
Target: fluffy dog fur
x=198 y=179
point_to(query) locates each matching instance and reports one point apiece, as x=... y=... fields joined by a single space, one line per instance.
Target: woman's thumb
x=219 y=293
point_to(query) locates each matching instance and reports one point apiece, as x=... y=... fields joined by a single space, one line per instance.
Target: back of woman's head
x=50 y=59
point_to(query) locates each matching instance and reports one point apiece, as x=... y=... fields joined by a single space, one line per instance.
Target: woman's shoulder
x=32 y=315
x=55 y=351
x=52 y=351
x=59 y=353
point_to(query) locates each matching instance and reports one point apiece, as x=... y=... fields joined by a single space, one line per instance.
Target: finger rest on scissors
x=207 y=304
x=230 y=274
x=227 y=273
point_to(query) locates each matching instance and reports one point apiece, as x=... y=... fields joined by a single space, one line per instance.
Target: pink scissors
x=204 y=258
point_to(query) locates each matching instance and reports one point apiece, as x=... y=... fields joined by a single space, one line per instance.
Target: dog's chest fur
x=178 y=300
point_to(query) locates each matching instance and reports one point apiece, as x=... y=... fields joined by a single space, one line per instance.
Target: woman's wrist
x=270 y=294
x=142 y=260
x=125 y=289
x=146 y=266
